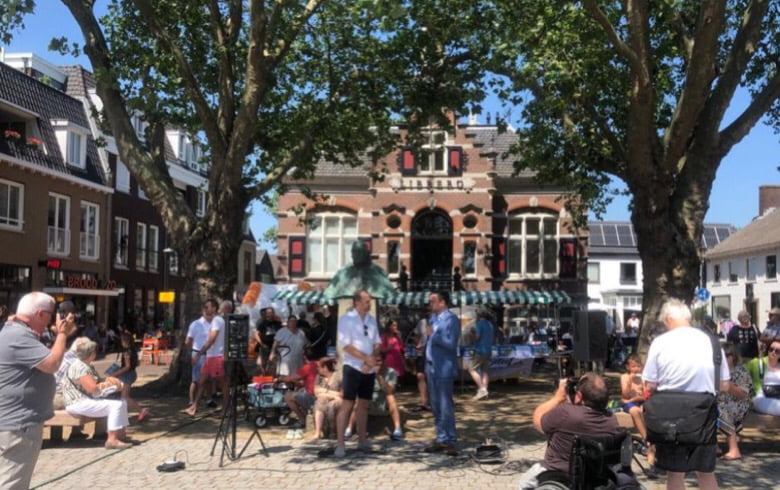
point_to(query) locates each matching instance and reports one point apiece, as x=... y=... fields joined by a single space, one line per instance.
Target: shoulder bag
x=682 y=417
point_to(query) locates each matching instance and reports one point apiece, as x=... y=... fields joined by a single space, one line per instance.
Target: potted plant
x=34 y=142
x=12 y=135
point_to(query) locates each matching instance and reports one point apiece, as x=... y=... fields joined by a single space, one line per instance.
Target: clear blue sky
x=734 y=199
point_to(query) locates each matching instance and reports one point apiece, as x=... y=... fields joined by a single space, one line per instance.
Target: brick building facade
x=454 y=204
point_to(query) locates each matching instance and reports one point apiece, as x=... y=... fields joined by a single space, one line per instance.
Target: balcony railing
x=58 y=240
x=89 y=246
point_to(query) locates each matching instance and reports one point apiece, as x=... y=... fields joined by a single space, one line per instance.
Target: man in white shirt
x=682 y=359
x=197 y=335
x=212 y=350
x=358 y=335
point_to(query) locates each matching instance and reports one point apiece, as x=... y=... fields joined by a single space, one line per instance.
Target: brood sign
x=89 y=283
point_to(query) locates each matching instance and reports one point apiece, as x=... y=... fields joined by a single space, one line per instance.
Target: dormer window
x=189 y=153
x=73 y=142
x=433 y=158
x=139 y=126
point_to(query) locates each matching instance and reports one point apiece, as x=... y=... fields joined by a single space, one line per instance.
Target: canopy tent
x=303 y=297
x=465 y=298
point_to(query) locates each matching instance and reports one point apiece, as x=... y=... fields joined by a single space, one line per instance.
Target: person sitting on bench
x=579 y=410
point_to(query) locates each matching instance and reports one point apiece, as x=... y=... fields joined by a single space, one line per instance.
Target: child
x=126 y=373
x=632 y=396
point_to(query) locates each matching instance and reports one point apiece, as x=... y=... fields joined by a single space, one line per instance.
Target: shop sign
x=89 y=283
x=166 y=297
x=432 y=184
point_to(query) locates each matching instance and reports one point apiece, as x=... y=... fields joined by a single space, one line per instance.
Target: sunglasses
x=774 y=350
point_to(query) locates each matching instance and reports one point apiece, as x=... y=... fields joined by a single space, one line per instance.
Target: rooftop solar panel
x=611 y=236
x=723 y=232
x=596 y=234
x=709 y=237
x=626 y=236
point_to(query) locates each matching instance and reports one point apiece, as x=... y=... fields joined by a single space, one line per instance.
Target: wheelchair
x=597 y=462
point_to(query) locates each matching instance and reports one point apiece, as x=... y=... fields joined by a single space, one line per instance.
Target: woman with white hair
x=82 y=388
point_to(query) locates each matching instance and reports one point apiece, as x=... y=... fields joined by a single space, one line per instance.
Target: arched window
x=533 y=245
x=329 y=242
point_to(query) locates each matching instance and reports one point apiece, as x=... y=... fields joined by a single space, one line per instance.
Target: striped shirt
x=71 y=388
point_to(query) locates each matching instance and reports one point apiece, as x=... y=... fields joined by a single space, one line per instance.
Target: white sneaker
x=480 y=395
x=347 y=434
x=339 y=452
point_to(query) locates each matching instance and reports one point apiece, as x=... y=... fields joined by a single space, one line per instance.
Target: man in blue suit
x=441 y=368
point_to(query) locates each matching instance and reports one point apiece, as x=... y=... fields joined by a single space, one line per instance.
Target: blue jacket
x=443 y=346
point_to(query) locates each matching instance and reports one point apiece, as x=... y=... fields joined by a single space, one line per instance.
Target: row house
x=615 y=278
x=741 y=272
x=141 y=262
x=452 y=208
x=55 y=201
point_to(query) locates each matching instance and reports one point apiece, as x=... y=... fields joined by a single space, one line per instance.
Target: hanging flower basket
x=34 y=143
x=12 y=135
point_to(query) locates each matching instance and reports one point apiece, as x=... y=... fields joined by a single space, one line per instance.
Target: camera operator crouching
x=578 y=407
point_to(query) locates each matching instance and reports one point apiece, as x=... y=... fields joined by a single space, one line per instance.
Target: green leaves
x=12 y=14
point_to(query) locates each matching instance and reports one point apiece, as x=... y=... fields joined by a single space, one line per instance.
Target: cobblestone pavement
x=504 y=417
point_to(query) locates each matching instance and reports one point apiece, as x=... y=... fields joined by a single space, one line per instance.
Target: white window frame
x=317 y=233
x=154 y=248
x=13 y=223
x=751 y=268
x=140 y=246
x=624 y=279
x=122 y=177
x=139 y=126
x=597 y=279
x=58 y=234
x=200 y=210
x=437 y=145
x=89 y=239
x=76 y=149
x=524 y=237
x=121 y=230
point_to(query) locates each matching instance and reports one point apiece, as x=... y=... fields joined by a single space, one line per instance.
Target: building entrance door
x=431 y=251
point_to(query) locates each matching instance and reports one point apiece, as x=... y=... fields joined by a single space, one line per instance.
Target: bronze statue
x=361 y=274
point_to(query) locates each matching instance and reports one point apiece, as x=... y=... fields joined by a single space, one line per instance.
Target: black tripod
x=227 y=425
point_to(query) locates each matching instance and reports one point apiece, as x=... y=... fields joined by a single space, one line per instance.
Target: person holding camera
x=578 y=407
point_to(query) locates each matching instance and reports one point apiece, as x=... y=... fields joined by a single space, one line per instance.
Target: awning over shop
x=83 y=291
x=464 y=298
x=303 y=298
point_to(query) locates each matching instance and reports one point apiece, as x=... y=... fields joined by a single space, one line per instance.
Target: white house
x=741 y=272
x=615 y=269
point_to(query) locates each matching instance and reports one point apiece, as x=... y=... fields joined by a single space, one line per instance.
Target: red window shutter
x=455 y=160
x=499 y=257
x=297 y=256
x=408 y=166
x=568 y=258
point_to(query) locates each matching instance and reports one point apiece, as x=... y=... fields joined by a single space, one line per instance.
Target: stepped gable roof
x=760 y=235
x=496 y=144
x=491 y=143
x=50 y=104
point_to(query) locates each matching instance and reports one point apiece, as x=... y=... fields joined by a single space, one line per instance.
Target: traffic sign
x=702 y=294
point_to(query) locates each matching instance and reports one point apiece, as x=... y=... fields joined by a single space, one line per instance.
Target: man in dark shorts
x=358 y=336
x=682 y=360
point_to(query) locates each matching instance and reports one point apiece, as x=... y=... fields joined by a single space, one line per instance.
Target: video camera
x=571 y=388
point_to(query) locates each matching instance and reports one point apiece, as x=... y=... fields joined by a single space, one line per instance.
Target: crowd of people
x=341 y=396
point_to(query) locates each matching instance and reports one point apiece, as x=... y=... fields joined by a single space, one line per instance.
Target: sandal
x=144 y=413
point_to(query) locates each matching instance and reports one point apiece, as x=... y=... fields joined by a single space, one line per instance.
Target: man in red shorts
x=213 y=350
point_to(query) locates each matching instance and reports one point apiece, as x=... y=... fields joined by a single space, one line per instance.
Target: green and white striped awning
x=464 y=298
x=303 y=298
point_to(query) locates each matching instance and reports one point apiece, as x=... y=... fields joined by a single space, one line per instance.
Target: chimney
x=768 y=198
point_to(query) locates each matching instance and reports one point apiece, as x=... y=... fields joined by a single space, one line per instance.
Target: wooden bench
x=64 y=419
x=752 y=421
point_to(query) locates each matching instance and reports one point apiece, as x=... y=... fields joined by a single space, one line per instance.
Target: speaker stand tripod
x=228 y=424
